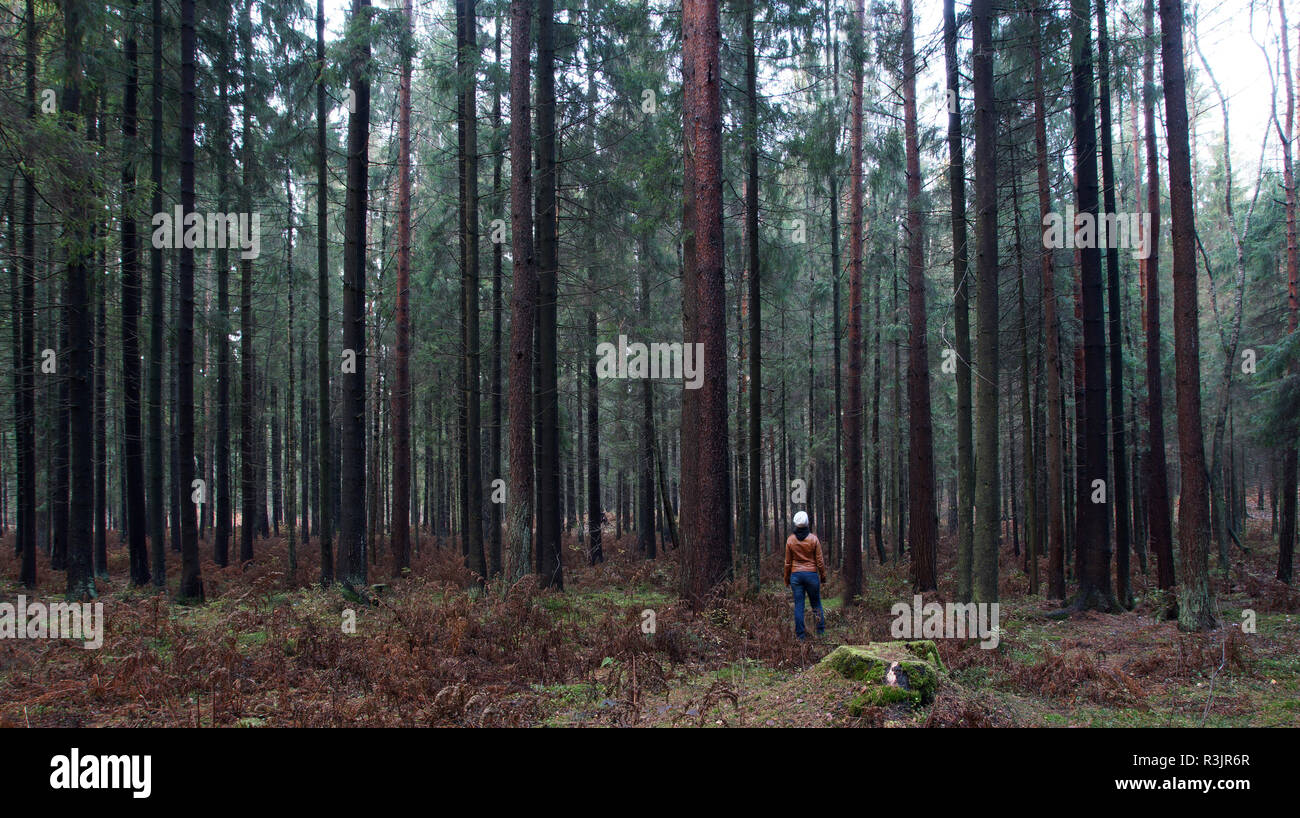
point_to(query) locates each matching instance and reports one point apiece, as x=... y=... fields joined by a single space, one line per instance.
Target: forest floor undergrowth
x=271 y=650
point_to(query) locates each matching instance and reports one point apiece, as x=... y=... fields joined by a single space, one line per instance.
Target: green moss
x=858 y=663
x=870 y=664
x=882 y=696
x=927 y=650
x=922 y=678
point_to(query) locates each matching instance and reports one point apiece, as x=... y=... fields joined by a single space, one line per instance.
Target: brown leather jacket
x=804 y=555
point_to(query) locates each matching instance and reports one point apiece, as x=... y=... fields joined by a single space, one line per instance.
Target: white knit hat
x=801 y=519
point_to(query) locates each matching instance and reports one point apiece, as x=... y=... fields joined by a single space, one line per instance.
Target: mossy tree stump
x=894 y=672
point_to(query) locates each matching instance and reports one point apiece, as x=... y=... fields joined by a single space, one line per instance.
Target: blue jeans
x=808 y=582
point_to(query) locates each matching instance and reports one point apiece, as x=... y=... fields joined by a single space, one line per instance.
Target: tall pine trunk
x=191 y=579
x=324 y=517
x=1196 y=608
x=523 y=302
x=755 y=301
x=99 y=382
x=1290 y=462
x=290 y=472
x=549 y=562
x=645 y=526
x=155 y=510
x=1118 y=488
x=853 y=476
x=595 y=511
x=984 y=559
x=923 y=521
x=833 y=46
x=960 y=306
x=80 y=578
x=1092 y=540
x=250 y=437
x=401 y=530
x=472 y=482
x=498 y=250
x=224 y=507
x=26 y=431
x=1155 y=470
x=1055 y=454
x=353 y=569
x=707 y=546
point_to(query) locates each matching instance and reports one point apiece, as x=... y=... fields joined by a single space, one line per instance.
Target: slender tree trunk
x=277 y=485
x=523 y=301
x=1027 y=429
x=645 y=527
x=467 y=132
x=897 y=483
x=62 y=443
x=324 y=517
x=595 y=511
x=548 y=262
x=1054 y=443
x=1196 y=607
x=683 y=489
x=1093 y=541
x=290 y=471
x=222 y=500
x=832 y=45
x=1118 y=488
x=853 y=406
x=80 y=375
x=922 y=534
x=250 y=429
x=191 y=579
x=498 y=250
x=754 y=298
x=307 y=461
x=133 y=454
x=877 y=471
x=352 y=497
x=100 y=386
x=26 y=428
x=961 y=298
x=581 y=452
x=984 y=561
x=1156 y=474
x=155 y=511
x=1290 y=462
x=401 y=531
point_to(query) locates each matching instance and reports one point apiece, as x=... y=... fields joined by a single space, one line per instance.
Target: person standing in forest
x=805 y=571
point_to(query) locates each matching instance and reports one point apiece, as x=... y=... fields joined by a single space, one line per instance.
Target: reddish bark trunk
x=923 y=522
x=523 y=301
x=1196 y=609
x=400 y=537
x=708 y=538
x=853 y=379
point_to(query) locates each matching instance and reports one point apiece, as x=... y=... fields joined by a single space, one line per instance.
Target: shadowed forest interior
x=513 y=336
